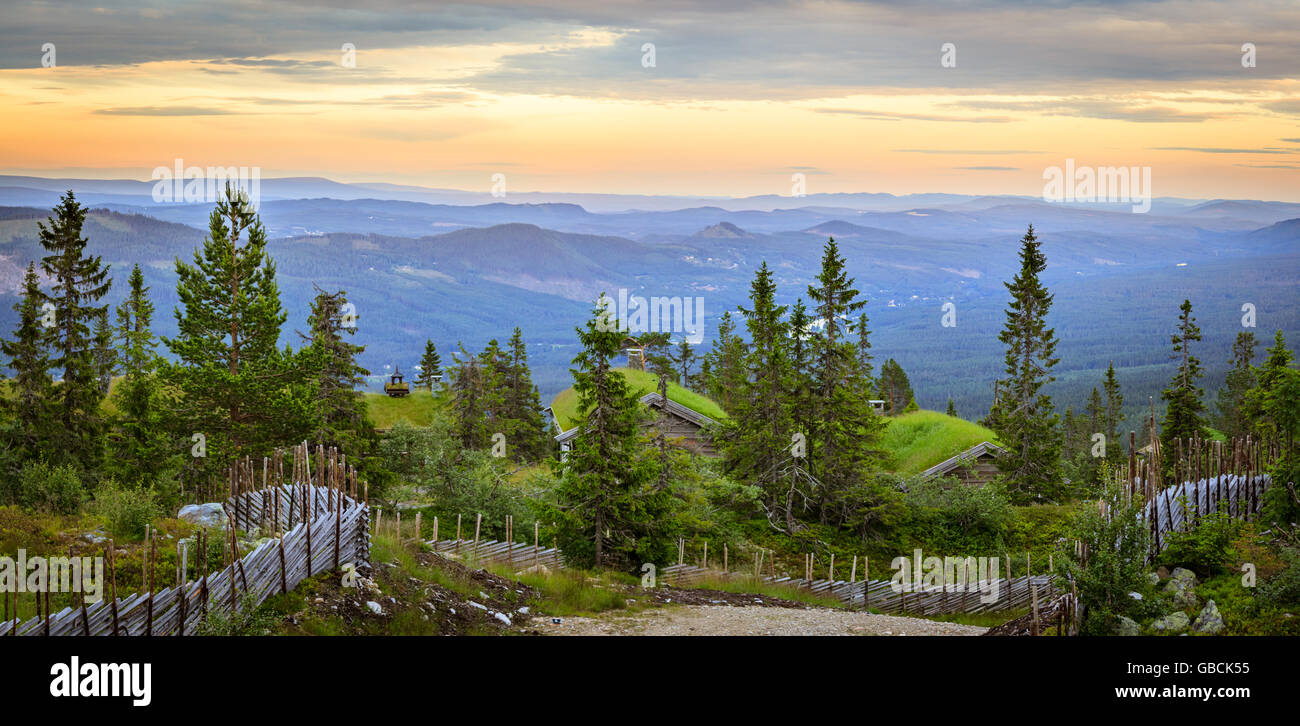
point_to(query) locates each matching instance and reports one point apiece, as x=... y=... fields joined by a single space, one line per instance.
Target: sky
x=739 y=97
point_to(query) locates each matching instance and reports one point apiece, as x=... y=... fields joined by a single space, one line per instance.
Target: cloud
x=1214 y=150
x=162 y=111
x=973 y=152
x=888 y=116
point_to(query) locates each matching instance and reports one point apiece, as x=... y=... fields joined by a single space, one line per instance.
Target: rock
x=502 y=617
x=1209 y=621
x=1153 y=578
x=539 y=569
x=1162 y=572
x=210 y=515
x=375 y=607
x=524 y=610
x=1135 y=595
x=1172 y=623
x=1127 y=626
x=474 y=604
x=1182 y=585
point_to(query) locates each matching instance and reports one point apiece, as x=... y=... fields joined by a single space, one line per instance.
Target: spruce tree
x=79 y=281
x=142 y=451
x=524 y=427
x=757 y=435
x=29 y=406
x=240 y=392
x=1113 y=413
x=1232 y=421
x=1021 y=414
x=952 y=410
x=726 y=364
x=683 y=357
x=469 y=403
x=894 y=388
x=1183 y=412
x=430 y=367
x=1267 y=376
x=845 y=429
x=609 y=511
x=337 y=400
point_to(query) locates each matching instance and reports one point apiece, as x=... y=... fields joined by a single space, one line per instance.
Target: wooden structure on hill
x=685 y=426
x=396 y=387
x=975 y=466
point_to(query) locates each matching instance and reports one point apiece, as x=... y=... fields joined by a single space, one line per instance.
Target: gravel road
x=748 y=620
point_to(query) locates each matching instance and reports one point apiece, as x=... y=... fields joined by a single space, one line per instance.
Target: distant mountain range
x=456 y=270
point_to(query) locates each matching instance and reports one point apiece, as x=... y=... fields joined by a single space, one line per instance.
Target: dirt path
x=748 y=620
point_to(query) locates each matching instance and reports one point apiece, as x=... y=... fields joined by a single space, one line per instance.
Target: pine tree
x=845 y=428
x=240 y=392
x=894 y=388
x=143 y=453
x=683 y=358
x=1231 y=419
x=79 y=281
x=28 y=407
x=1022 y=414
x=430 y=367
x=336 y=384
x=609 y=511
x=1113 y=413
x=1183 y=413
x=726 y=364
x=1267 y=376
x=525 y=429
x=757 y=435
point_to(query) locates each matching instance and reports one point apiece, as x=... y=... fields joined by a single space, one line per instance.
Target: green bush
x=1284 y=587
x=126 y=510
x=1206 y=549
x=1117 y=548
x=248 y=619
x=957 y=516
x=44 y=488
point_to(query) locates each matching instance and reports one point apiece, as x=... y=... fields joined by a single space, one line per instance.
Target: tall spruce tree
x=1232 y=421
x=337 y=400
x=430 y=367
x=470 y=402
x=1277 y=361
x=726 y=364
x=79 y=281
x=1183 y=413
x=845 y=429
x=1022 y=414
x=1113 y=411
x=523 y=425
x=609 y=510
x=28 y=407
x=238 y=391
x=143 y=453
x=757 y=434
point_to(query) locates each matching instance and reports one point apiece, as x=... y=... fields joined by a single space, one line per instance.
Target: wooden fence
x=318 y=527
x=879 y=595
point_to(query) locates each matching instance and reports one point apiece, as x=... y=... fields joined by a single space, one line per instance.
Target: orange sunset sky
x=561 y=96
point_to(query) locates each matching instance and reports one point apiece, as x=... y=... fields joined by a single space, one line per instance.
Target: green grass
x=416 y=409
x=573 y=592
x=917 y=441
x=567 y=415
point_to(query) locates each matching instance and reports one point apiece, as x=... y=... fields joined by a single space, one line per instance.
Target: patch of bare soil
x=745 y=620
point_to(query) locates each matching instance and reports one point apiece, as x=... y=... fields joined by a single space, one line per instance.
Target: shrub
x=1117 y=548
x=959 y=516
x=1206 y=549
x=44 y=488
x=248 y=619
x=1284 y=587
x=126 y=510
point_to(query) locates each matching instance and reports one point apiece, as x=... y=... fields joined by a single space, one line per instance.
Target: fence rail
x=320 y=528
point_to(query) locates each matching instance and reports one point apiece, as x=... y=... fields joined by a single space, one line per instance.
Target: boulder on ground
x=211 y=515
x=1172 y=623
x=1209 y=621
x=1127 y=626
x=539 y=569
x=1182 y=585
